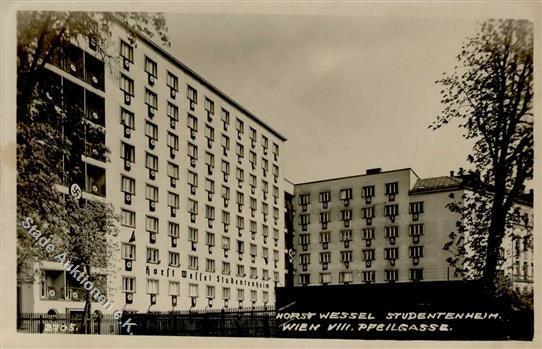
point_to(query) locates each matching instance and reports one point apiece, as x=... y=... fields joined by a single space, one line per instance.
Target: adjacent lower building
x=195 y=177
x=385 y=226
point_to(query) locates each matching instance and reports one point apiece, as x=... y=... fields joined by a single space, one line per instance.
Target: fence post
x=41 y=325
x=223 y=321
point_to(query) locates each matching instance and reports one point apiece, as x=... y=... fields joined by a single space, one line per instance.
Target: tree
x=51 y=131
x=490 y=94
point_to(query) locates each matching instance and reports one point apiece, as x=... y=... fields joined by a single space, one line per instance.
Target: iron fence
x=66 y=324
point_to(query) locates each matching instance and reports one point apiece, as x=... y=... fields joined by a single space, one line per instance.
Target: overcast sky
x=349 y=92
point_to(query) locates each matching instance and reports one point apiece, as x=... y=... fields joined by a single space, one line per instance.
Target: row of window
x=367 y=276
x=366 y=213
x=367 y=234
x=346 y=194
x=174 y=288
x=390 y=253
x=128 y=253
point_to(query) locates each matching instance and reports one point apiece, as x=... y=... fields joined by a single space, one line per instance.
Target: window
x=416 y=207
x=391 y=232
x=346 y=194
x=304 y=219
x=126 y=51
x=128 y=185
x=225 y=243
x=415 y=251
x=173 y=229
x=128 y=284
x=210 y=265
x=127 y=152
x=240 y=294
x=275 y=151
x=252 y=181
x=324 y=217
x=210 y=292
x=172 y=112
x=305 y=258
x=253 y=204
x=369 y=276
x=172 y=141
x=151 y=224
x=225 y=143
x=265 y=144
x=209 y=106
x=151 y=67
x=253 y=159
x=225 y=118
x=369 y=255
x=253 y=136
x=253 y=273
x=151 y=162
x=368 y=191
x=127 y=218
x=240 y=151
x=265 y=297
x=193 y=290
x=346 y=256
x=128 y=251
x=209 y=186
x=151 y=193
x=325 y=197
x=192 y=179
x=172 y=81
x=127 y=85
x=192 y=123
x=226 y=293
x=304 y=279
x=192 y=234
x=391 y=253
x=275 y=172
x=209 y=212
x=174 y=259
x=193 y=262
x=392 y=275
x=368 y=233
x=127 y=118
x=240 y=127
x=368 y=212
x=173 y=171
x=192 y=151
x=416 y=274
x=346 y=235
x=151 y=99
x=153 y=255
x=325 y=236
x=265 y=165
x=345 y=277
x=152 y=286
x=240 y=174
x=304 y=199
x=391 y=210
x=151 y=130
x=173 y=200
x=325 y=257
x=225 y=217
x=226 y=268
x=240 y=270
x=192 y=94
x=192 y=206
x=346 y=215
x=392 y=188
x=253 y=296
x=174 y=288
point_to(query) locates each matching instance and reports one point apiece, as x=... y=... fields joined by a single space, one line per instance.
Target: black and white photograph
x=252 y=174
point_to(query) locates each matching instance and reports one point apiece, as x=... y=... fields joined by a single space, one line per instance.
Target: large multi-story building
x=384 y=226
x=195 y=176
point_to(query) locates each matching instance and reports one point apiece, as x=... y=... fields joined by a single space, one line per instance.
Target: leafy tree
x=53 y=134
x=490 y=94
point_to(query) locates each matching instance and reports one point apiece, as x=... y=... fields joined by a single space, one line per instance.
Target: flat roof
x=198 y=77
x=359 y=175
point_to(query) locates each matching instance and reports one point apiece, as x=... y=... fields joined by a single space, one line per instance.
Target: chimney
x=461 y=171
x=451 y=173
x=374 y=170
